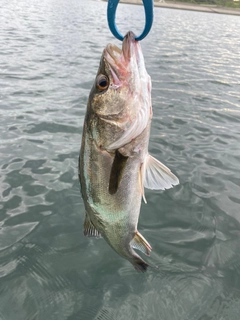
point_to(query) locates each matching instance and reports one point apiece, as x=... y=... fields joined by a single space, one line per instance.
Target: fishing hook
x=111 y=12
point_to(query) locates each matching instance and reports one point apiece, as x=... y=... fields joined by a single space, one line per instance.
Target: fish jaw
x=129 y=81
x=126 y=66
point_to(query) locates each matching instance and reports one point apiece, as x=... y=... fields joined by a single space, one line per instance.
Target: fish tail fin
x=140 y=243
x=140 y=265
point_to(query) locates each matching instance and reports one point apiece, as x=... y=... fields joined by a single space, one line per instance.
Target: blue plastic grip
x=111 y=13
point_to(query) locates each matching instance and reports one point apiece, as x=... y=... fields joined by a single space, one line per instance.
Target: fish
x=114 y=163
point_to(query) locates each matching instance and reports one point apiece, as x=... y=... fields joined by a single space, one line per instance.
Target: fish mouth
x=113 y=52
x=114 y=59
x=130 y=46
x=120 y=61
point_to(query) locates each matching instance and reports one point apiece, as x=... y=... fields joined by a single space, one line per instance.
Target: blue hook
x=111 y=12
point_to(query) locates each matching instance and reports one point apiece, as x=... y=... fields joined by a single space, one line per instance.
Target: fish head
x=121 y=94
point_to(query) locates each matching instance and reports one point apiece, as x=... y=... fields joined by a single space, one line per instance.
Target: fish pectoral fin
x=89 y=229
x=140 y=243
x=141 y=181
x=157 y=176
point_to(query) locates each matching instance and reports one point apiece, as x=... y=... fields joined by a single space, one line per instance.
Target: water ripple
x=49 y=56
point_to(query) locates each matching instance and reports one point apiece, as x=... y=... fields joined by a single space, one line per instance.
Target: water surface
x=49 y=55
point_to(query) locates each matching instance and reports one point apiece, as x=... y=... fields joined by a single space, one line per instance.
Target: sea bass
x=114 y=163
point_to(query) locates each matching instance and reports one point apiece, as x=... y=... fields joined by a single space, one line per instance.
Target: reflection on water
x=49 y=56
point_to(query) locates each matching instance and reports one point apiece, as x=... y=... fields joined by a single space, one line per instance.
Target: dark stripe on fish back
x=118 y=166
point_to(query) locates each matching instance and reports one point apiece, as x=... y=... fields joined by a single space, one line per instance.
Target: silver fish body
x=114 y=164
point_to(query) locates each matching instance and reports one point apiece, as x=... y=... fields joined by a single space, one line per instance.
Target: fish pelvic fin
x=140 y=243
x=156 y=175
x=89 y=229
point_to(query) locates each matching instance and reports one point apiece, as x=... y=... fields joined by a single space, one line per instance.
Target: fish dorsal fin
x=117 y=169
x=140 y=243
x=157 y=176
x=89 y=229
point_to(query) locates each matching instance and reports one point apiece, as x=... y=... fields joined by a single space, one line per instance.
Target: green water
x=49 y=55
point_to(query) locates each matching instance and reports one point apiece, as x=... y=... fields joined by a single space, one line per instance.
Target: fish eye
x=102 y=82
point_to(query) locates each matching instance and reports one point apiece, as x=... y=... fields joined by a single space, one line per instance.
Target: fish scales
x=114 y=164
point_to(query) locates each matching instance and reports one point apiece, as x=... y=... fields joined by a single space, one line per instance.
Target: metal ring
x=111 y=13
